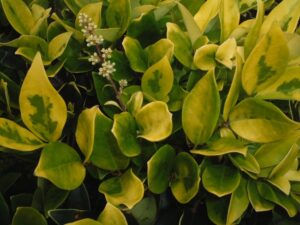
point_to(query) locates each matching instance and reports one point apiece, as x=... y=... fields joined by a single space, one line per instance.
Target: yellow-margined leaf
x=111 y=215
x=226 y=52
x=158 y=50
x=86 y=221
x=16 y=137
x=92 y=10
x=58 y=45
x=204 y=57
x=43 y=110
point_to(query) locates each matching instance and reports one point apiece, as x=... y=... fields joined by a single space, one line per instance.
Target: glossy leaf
x=58 y=45
x=157 y=80
x=182 y=45
x=204 y=57
x=19 y=15
x=43 y=110
x=246 y=163
x=111 y=215
x=76 y=5
x=62 y=165
x=220 y=180
x=135 y=102
x=185 y=184
x=125 y=131
x=282 y=183
x=201 y=109
x=154 y=121
x=86 y=221
x=223 y=146
x=28 y=216
x=145 y=212
x=217 y=209
x=253 y=119
x=238 y=202
x=267 y=61
x=16 y=137
x=226 y=52
x=93 y=10
x=160 y=167
x=159 y=50
x=126 y=190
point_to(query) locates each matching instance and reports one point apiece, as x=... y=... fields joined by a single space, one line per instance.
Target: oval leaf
x=185 y=184
x=43 y=110
x=160 y=167
x=62 y=165
x=111 y=215
x=93 y=10
x=245 y=163
x=126 y=190
x=154 y=121
x=220 y=180
x=58 y=45
x=86 y=221
x=28 y=216
x=204 y=57
x=201 y=109
x=158 y=50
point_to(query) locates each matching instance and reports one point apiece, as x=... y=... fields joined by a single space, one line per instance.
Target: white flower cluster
x=106 y=53
x=107 y=68
x=88 y=30
x=94 y=59
x=123 y=83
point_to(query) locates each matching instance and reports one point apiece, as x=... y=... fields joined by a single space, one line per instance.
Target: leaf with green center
x=257 y=201
x=282 y=183
x=28 y=216
x=43 y=110
x=245 y=163
x=201 y=109
x=254 y=119
x=226 y=53
x=160 y=167
x=106 y=153
x=93 y=11
x=86 y=221
x=126 y=190
x=111 y=215
x=118 y=14
x=185 y=184
x=157 y=80
x=287 y=87
x=62 y=165
x=125 y=131
x=58 y=45
x=286 y=13
x=19 y=15
x=204 y=57
x=238 y=202
x=193 y=30
x=223 y=146
x=154 y=121
x=267 y=61
x=277 y=197
x=108 y=34
x=183 y=50
x=85 y=131
x=135 y=102
x=159 y=50
x=135 y=53
x=229 y=17
x=16 y=137
x=220 y=180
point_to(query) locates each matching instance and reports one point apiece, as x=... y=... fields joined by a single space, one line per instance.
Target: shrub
x=149 y=112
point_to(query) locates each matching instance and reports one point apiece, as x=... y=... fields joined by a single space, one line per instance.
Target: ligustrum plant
x=143 y=112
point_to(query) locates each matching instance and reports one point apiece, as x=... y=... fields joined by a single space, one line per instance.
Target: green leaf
x=93 y=10
x=204 y=57
x=159 y=50
x=286 y=13
x=109 y=34
x=16 y=137
x=19 y=16
x=277 y=197
x=154 y=121
x=54 y=198
x=4 y=211
x=43 y=110
x=193 y=30
x=111 y=215
x=62 y=165
x=254 y=119
x=86 y=221
x=185 y=184
x=220 y=180
x=135 y=102
x=135 y=53
x=160 y=167
x=125 y=131
x=287 y=87
x=145 y=212
x=217 y=209
x=238 y=202
x=226 y=52
x=157 y=80
x=28 y=216
x=126 y=190
x=58 y=45
x=282 y=183
x=245 y=163
x=257 y=201
x=222 y=146
x=267 y=61
x=183 y=50
x=201 y=109
x=76 y=5
x=176 y=98
x=106 y=153
x=118 y=14
x=229 y=17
